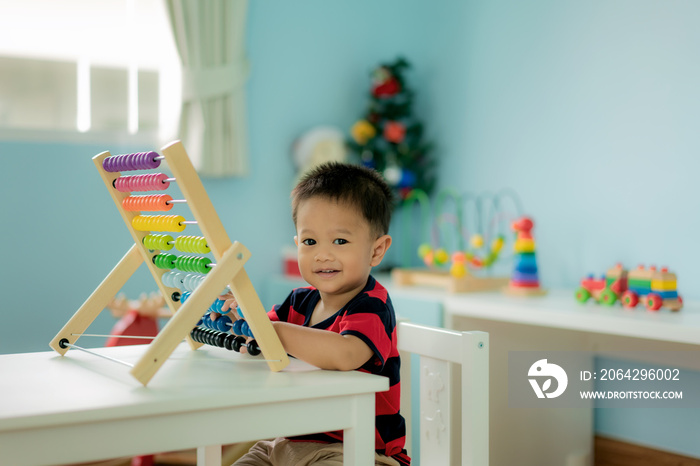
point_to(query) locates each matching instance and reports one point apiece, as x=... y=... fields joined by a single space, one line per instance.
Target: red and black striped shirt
x=370 y=317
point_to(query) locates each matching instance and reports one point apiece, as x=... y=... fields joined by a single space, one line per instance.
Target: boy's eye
x=309 y=242
x=340 y=241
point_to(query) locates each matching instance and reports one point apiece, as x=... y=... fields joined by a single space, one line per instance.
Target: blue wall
x=589 y=110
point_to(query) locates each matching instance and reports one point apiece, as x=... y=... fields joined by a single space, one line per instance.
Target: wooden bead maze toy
x=188 y=293
x=461 y=269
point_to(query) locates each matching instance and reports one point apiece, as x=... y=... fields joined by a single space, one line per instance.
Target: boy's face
x=336 y=247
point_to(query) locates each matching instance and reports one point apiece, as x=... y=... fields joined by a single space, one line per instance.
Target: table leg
x=209 y=455
x=358 y=441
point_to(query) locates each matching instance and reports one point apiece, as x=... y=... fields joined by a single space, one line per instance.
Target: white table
x=80 y=407
x=556 y=322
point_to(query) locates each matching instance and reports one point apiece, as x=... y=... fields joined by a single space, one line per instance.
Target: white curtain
x=210 y=38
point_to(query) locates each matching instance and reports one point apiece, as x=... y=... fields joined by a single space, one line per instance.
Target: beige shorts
x=282 y=452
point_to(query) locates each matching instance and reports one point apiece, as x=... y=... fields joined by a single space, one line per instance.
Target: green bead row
x=193 y=264
x=159 y=242
x=196 y=244
x=165 y=261
x=184 y=263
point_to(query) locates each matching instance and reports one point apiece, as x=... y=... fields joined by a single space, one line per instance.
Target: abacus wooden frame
x=230 y=259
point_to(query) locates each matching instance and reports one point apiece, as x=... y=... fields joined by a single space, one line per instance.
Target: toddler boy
x=345 y=319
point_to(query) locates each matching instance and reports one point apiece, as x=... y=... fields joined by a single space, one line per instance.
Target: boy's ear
x=381 y=245
x=296 y=240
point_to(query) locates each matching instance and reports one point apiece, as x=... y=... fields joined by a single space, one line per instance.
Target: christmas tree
x=388 y=138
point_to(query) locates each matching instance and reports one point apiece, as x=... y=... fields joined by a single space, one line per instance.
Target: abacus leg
x=98 y=300
x=260 y=325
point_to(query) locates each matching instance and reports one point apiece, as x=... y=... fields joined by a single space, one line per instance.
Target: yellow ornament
x=362 y=131
x=477 y=241
x=458 y=270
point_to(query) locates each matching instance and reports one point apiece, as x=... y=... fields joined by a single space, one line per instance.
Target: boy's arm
x=324 y=349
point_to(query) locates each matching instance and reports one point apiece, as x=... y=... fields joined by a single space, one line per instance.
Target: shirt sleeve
x=294 y=308
x=372 y=321
x=280 y=312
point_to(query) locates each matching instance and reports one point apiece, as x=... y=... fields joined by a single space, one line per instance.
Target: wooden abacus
x=227 y=270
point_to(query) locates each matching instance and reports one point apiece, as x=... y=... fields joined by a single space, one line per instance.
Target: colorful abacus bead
x=148 y=203
x=158 y=242
x=241 y=327
x=165 y=261
x=173 y=279
x=217 y=305
x=183 y=281
x=194 y=244
x=253 y=348
x=193 y=264
x=128 y=162
x=147 y=182
x=205 y=321
x=184 y=296
x=222 y=324
x=158 y=223
x=245 y=328
x=236 y=327
x=223 y=340
x=192 y=281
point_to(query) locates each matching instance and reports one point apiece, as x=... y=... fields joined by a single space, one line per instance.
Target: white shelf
x=559 y=309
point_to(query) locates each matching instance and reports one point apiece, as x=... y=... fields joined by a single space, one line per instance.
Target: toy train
x=656 y=288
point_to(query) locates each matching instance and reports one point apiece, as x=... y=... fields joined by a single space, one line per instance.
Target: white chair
x=454 y=410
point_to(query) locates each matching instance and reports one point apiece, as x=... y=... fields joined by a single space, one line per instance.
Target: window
x=82 y=66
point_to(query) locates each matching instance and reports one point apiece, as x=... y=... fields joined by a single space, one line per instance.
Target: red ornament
x=385 y=84
x=394 y=132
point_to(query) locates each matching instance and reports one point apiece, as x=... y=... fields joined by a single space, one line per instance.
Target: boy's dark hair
x=360 y=187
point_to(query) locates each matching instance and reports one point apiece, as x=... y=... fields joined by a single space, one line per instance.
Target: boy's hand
x=230 y=303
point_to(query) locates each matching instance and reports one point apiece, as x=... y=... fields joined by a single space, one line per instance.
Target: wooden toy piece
x=657 y=288
x=654 y=288
x=228 y=270
x=524 y=280
x=605 y=290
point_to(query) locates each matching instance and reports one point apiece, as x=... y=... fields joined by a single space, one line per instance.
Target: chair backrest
x=454 y=394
